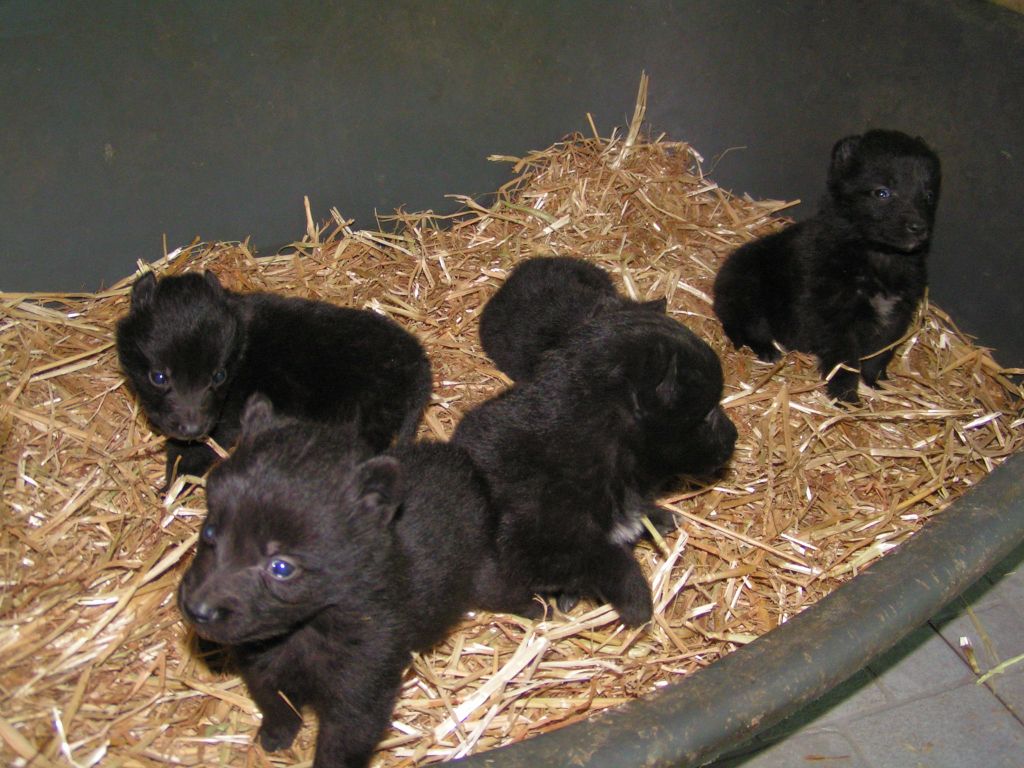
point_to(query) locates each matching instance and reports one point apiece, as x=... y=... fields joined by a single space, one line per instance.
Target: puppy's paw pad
x=566 y=601
x=844 y=395
x=277 y=738
x=662 y=520
x=843 y=391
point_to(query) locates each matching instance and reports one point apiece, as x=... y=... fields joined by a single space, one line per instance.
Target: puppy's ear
x=669 y=384
x=142 y=292
x=257 y=416
x=656 y=384
x=377 y=486
x=844 y=150
x=602 y=304
x=842 y=156
x=212 y=281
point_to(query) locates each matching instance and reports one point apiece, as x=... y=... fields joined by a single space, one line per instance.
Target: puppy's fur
x=844 y=284
x=323 y=568
x=575 y=455
x=193 y=352
x=538 y=306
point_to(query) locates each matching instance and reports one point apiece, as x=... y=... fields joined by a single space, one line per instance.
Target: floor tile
x=1003 y=584
x=918 y=705
x=1003 y=626
x=1009 y=687
x=963 y=728
x=996 y=634
x=1008 y=580
x=922 y=662
x=823 y=749
x=859 y=695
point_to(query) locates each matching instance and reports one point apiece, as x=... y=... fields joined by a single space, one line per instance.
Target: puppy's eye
x=159 y=378
x=929 y=196
x=218 y=377
x=882 y=193
x=282 y=569
x=209 y=533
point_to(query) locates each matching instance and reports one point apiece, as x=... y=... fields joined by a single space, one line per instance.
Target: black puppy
x=193 y=352
x=322 y=568
x=540 y=303
x=574 y=456
x=844 y=284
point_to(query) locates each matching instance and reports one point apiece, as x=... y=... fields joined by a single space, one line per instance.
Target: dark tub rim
x=691 y=722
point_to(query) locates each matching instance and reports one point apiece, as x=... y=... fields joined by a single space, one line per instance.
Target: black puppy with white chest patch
x=540 y=303
x=322 y=567
x=844 y=284
x=575 y=455
x=193 y=352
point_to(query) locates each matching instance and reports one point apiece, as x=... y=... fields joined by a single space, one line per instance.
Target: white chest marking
x=883 y=305
x=626 y=532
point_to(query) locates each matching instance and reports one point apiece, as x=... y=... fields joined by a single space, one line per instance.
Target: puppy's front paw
x=662 y=520
x=635 y=608
x=276 y=736
x=873 y=374
x=566 y=601
x=187 y=459
x=843 y=387
x=632 y=599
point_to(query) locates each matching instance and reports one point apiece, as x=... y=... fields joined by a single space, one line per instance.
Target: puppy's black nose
x=916 y=227
x=190 y=429
x=202 y=612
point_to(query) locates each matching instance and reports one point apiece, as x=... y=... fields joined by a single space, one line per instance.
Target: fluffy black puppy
x=193 y=352
x=538 y=306
x=574 y=456
x=322 y=568
x=844 y=284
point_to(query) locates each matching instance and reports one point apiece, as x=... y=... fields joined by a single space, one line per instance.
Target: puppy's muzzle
x=917 y=228
x=199 y=610
x=724 y=436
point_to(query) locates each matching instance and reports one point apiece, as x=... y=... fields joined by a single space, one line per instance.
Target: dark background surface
x=124 y=121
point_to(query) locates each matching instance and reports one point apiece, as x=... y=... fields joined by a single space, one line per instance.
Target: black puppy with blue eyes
x=844 y=284
x=193 y=351
x=322 y=567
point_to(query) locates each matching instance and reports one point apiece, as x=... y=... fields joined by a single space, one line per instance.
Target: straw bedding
x=99 y=667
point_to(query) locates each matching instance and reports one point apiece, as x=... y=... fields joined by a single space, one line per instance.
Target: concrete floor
x=920 y=705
